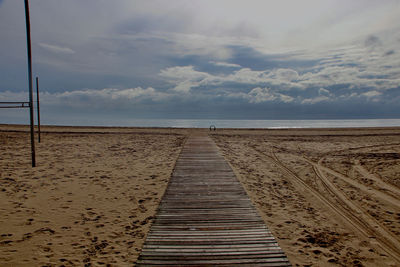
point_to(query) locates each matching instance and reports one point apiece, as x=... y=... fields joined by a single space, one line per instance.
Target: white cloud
x=286 y=98
x=259 y=95
x=225 y=64
x=285 y=79
x=185 y=86
x=91 y=97
x=186 y=78
x=323 y=91
x=8 y=96
x=356 y=66
x=184 y=73
x=286 y=75
x=353 y=68
x=57 y=49
x=247 y=76
x=371 y=94
x=315 y=100
x=111 y=94
x=278 y=77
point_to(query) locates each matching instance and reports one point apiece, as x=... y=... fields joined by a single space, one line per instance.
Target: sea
x=262 y=124
x=205 y=123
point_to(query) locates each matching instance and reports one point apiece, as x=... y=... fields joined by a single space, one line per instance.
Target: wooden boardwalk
x=206 y=217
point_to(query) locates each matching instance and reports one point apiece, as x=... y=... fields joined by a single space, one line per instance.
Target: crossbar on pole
x=14 y=105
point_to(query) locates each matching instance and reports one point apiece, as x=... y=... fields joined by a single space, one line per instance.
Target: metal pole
x=38 y=107
x=28 y=41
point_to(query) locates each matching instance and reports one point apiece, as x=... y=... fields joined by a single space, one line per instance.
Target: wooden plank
x=271 y=243
x=182 y=261
x=214 y=248
x=219 y=236
x=211 y=233
x=212 y=256
x=171 y=253
x=206 y=217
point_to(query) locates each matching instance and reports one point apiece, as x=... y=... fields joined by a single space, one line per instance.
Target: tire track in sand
x=378 y=181
x=361 y=147
x=371 y=225
x=390 y=246
x=369 y=190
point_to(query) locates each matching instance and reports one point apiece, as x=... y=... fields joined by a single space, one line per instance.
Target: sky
x=111 y=61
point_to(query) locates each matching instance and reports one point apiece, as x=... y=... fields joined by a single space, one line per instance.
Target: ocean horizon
x=262 y=124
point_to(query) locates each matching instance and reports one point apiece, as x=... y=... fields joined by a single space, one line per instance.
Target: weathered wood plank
x=212 y=256
x=162 y=253
x=206 y=217
x=183 y=262
x=266 y=243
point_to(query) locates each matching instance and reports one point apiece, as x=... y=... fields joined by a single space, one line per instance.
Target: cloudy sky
x=223 y=59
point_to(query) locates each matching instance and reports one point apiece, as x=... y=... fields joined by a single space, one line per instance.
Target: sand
x=91 y=199
x=330 y=197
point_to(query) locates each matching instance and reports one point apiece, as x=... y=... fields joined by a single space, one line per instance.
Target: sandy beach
x=330 y=196
x=91 y=198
